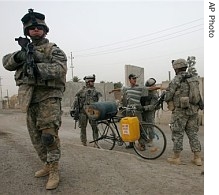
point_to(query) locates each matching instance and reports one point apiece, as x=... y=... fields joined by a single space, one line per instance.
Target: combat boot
x=43 y=172
x=197 y=159
x=175 y=159
x=53 y=180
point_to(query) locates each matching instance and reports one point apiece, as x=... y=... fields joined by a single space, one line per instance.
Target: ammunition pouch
x=184 y=102
x=50 y=83
x=20 y=78
x=171 y=106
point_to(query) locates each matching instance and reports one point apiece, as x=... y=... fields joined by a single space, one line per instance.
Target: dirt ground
x=92 y=171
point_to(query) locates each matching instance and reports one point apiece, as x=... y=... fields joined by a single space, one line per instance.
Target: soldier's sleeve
x=56 y=68
x=75 y=104
x=123 y=90
x=171 y=89
x=144 y=91
x=154 y=98
x=124 y=97
x=9 y=62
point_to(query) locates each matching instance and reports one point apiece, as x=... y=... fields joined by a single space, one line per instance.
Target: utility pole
x=1 y=102
x=8 y=99
x=0 y=88
x=169 y=76
x=71 y=58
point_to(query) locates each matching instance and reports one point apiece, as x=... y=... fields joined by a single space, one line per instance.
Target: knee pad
x=47 y=139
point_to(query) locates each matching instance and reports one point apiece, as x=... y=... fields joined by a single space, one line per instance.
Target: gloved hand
x=38 y=56
x=149 y=108
x=139 y=108
x=20 y=57
x=157 y=107
x=72 y=113
x=23 y=42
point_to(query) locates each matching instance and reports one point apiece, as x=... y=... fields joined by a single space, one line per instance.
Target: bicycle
x=152 y=138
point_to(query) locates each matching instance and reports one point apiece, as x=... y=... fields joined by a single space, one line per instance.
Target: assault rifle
x=76 y=111
x=30 y=66
x=75 y=116
x=160 y=101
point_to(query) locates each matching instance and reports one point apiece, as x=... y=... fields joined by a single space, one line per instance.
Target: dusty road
x=91 y=171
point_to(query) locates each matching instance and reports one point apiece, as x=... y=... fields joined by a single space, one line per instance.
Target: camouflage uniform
x=41 y=96
x=86 y=96
x=183 y=119
x=148 y=114
x=148 y=100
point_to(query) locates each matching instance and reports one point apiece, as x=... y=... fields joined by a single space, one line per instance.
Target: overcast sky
x=104 y=36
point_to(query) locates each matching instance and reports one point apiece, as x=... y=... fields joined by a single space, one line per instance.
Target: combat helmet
x=33 y=19
x=150 y=82
x=90 y=78
x=180 y=63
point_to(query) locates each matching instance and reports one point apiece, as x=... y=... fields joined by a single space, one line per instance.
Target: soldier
x=148 y=102
x=87 y=95
x=40 y=72
x=184 y=112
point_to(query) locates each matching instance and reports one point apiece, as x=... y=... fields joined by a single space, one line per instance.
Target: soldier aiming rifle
x=40 y=73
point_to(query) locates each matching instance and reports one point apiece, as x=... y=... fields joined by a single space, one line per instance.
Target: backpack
x=194 y=92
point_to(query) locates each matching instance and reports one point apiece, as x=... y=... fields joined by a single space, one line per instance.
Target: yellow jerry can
x=130 y=129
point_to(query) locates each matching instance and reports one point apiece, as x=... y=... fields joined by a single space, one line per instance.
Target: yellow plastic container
x=130 y=130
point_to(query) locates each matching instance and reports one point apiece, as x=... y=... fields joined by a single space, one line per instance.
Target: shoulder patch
x=59 y=55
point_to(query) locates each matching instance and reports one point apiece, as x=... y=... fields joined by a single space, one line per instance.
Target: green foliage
x=76 y=79
x=118 y=85
x=191 y=65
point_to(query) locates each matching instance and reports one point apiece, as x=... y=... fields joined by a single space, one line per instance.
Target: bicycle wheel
x=152 y=142
x=106 y=136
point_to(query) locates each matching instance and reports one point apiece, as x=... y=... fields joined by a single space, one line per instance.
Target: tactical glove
x=23 y=42
x=149 y=108
x=72 y=113
x=157 y=107
x=20 y=57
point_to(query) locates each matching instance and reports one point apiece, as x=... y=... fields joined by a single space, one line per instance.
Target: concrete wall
x=73 y=87
x=138 y=71
x=162 y=116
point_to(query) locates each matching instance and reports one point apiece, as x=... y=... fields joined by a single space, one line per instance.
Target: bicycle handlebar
x=131 y=107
